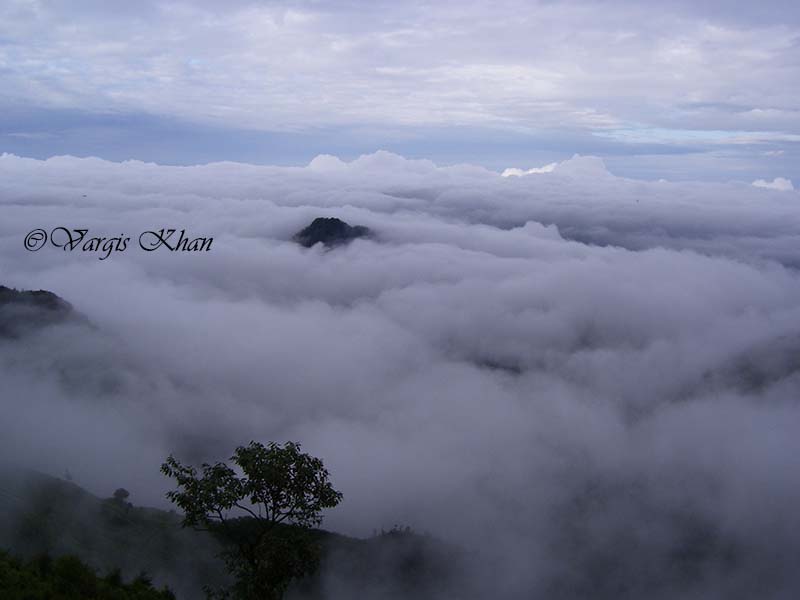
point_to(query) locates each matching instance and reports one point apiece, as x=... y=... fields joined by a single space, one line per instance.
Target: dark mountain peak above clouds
x=40 y=298
x=24 y=310
x=331 y=232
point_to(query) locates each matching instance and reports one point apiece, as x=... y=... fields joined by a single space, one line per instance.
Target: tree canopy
x=280 y=493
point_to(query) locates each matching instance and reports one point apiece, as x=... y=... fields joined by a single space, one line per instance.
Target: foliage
x=45 y=515
x=58 y=517
x=67 y=578
x=281 y=490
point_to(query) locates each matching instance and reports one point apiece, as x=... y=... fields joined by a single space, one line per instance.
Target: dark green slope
x=43 y=515
x=68 y=578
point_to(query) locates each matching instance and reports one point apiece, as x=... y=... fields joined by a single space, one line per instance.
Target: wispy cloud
x=509 y=83
x=299 y=65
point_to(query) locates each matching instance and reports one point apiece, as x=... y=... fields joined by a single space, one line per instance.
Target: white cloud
x=577 y=166
x=779 y=183
x=514 y=172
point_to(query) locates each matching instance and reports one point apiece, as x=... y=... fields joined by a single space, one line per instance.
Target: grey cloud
x=614 y=415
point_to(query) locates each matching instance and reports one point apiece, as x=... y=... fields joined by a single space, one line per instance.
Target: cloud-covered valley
x=593 y=380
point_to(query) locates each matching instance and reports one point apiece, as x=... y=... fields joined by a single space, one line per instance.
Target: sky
x=679 y=90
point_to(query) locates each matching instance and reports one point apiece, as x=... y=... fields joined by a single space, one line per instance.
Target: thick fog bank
x=591 y=380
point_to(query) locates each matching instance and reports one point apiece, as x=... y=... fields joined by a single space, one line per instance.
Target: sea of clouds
x=592 y=380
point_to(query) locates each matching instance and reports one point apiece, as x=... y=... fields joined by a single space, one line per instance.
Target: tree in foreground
x=265 y=508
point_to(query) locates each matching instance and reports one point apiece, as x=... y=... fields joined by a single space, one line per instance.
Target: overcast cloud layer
x=594 y=379
x=682 y=90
